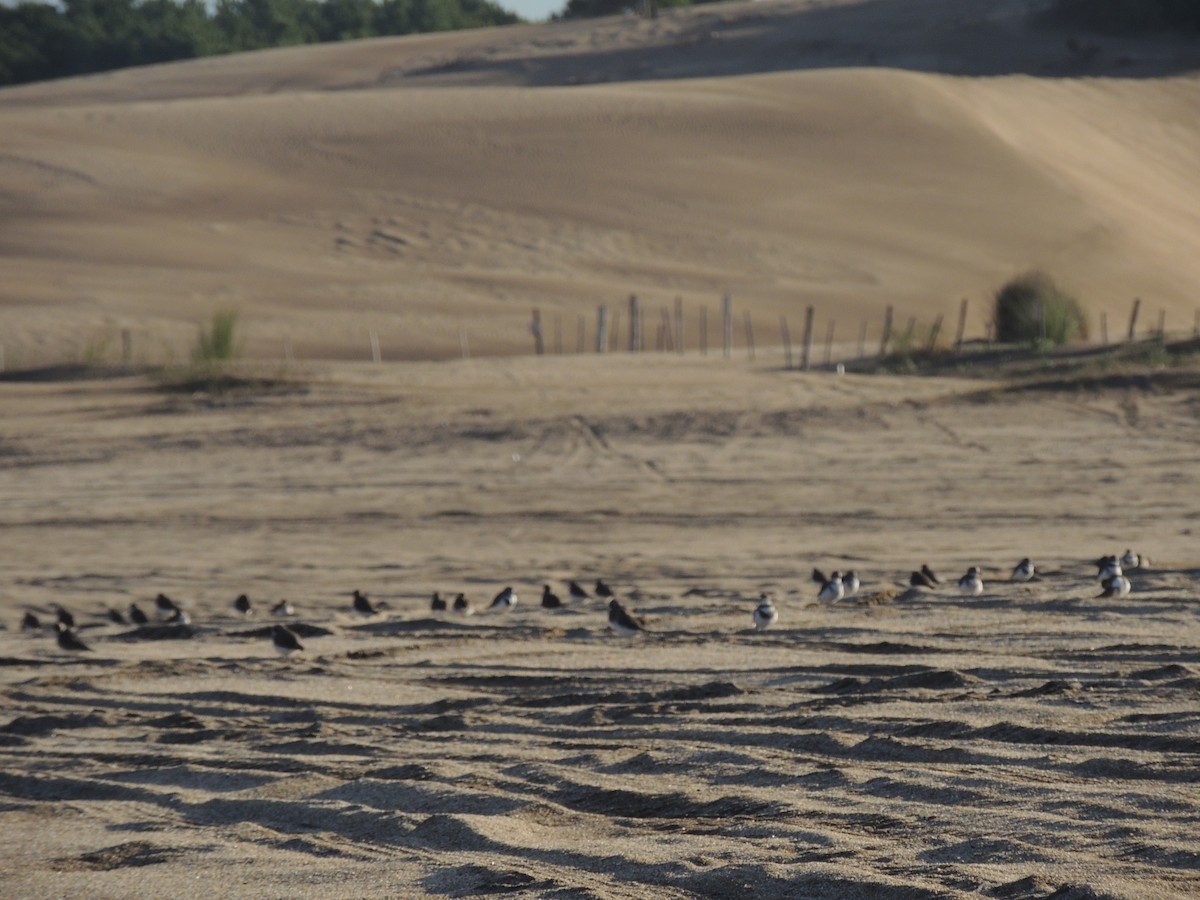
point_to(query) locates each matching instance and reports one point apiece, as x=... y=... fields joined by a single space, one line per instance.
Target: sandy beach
x=1033 y=740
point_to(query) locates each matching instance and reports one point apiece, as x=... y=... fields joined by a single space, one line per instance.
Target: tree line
x=1128 y=16
x=40 y=41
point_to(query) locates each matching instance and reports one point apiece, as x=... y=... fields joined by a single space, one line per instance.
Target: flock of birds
x=834 y=587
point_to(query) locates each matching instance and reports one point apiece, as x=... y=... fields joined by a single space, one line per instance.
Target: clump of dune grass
x=217 y=342
x=1032 y=309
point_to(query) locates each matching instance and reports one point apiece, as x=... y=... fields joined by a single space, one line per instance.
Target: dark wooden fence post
x=806 y=346
x=749 y=326
x=535 y=329
x=678 y=324
x=1137 y=305
x=962 y=326
x=635 y=325
x=602 y=328
x=727 y=318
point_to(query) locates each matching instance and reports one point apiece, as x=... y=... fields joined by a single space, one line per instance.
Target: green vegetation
x=1032 y=309
x=216 y=343
x=1127 y=16
x=40 y=40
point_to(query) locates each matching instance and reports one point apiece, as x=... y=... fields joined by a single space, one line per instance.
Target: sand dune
x=420 y=188
x=1030 y=742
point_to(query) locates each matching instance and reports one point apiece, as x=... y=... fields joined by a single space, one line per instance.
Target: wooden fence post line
x=727 y=318
x=635 y=325
x=806 y=345
x=376 y=356
x=535 y=328
x=829 y=341
x=962 y=326
x=678 y=324
x=887 y=331
x=786 y=334
x=1137 y=305
x=749 y=326
x=602 y=328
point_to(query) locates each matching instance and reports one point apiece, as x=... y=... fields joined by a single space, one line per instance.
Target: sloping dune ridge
x=419 y=187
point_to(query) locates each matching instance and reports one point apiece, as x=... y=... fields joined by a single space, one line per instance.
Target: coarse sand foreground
x=1033 y=741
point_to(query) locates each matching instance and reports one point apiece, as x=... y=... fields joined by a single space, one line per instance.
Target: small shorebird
x=30 y=622
x=68 y=639
x=165 y=606
x=972 y=582
x=833 y=589
x=1024 y=570
x=603 y=590
x=928 y=573
x=136 y=616
x=576 y=592
x=621 y=620
x=506 y=599
x=116 y=617
x=851 y=583
x=283 y=608
x=764 y=614
x=1132 y=560
x=437 y=604
x=550 y=600
x=920 y=579
x=285 y=640
x=179 y=617
x=462 y=605
x=363 y=606
x=64 y=617
x=1115 y=586
x=242 y=605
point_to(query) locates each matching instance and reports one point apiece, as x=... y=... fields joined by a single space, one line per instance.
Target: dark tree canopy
x=39 y=41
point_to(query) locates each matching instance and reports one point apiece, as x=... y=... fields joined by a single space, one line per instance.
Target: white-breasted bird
x=506 y=599
x=972 y=582
x=285 y=640
x=1115 y=586
x=850 y=583
x=765 y=614
x=621 y=620
x=1024 y=570
x=833 y=589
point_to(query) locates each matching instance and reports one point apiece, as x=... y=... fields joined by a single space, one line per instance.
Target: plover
x=576 y=592
x=30 y=622
x=179 y=617
x=462 y=605
x=242 y=605
x=437 y=603
x=68 y=639
x=1107 y=567
x=1132 y=560
x=621 y=620
x=1115 y=586
x=117 y=617
x=919 y=579
x=506 y=599
x=851 y=583
x=165 y=606
x=928 y=573
x=285 y=640
x=136 y=616
x=283 y=608
x=833 y=589
x=603 y=590
x=972 y=582
x=65 y=617
x=550 y=600
x=1024 y=570
x=764 y=614
x=362 y=606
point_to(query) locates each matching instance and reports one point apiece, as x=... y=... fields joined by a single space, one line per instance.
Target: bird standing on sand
x=621 y=621
x=972 y=582
x=833 y=589
x=577 y=593
x=920 y=579
x=550 y=600
x=242 y=605
x=850 y=583
x=462 y=605
x=136 y=616
x=506 y=599
x=928 y=573
x=30 y=622
x=64 y=617
x=603 y=590
x=437 y=604
x=116 y=617
x=1107 y=567
x=165 y=607
x=362 y=606
x=283 y=608
x=1024 y=570
x=1132 y=560
x=68 y=639
x=285 y=640
x=764 y=614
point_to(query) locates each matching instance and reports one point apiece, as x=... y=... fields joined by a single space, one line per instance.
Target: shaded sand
x=436 y=188
x=1029 y=742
